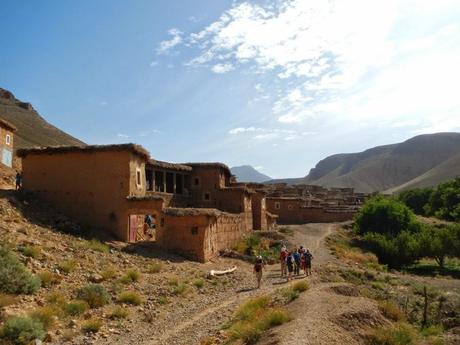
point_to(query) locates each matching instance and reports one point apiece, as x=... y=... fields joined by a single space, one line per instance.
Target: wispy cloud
x=353 y=62
x=166 y=46
x=221 y=68
x=122 y=136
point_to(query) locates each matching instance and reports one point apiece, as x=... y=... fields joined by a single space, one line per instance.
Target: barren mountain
x=33 y=130
x=247 y=173
x=424 y=160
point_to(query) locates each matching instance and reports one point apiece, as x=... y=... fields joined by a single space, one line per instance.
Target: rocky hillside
x=424 y=160
x=246 y=173
x=33 y=130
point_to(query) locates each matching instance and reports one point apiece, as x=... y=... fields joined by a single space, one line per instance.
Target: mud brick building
x=300 y=204
x=195 y=208
x=6 y=143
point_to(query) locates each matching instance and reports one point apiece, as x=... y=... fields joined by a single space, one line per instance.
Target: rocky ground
x=182 y=304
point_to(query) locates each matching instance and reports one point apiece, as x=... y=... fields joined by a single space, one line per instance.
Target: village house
x=6 y=143
x=300 y=204
x=194 y=208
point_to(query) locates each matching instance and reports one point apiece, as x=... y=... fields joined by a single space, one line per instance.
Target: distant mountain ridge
x=246 y=173
x=32 y=129
x=424 y=160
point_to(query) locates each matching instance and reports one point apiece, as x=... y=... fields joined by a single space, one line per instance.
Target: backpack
x=258 y=266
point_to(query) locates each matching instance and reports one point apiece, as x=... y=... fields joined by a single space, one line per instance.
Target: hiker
x=18 y=181
x=290 y=265
x=307 y=258
x=258 y=267
x=297 y=259
x=283 y=255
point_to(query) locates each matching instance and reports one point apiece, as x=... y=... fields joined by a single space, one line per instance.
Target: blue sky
x=275 y=84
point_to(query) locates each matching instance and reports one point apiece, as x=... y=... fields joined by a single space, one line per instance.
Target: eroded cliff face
x=32 y=129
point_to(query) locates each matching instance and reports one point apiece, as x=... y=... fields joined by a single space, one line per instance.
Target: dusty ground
x=328 y=313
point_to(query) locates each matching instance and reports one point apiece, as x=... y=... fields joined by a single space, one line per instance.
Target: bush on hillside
x=385 y=216
x=444 y=202
x=94 y=294
x=416 y=199
x=440 y=242
x=396 y=251
x=21 y=331
x=14 y=277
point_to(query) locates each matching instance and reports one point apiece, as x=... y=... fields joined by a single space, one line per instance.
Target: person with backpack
x=308 y=257
x=258 y=268
x=297 y=259
x=283 y=255
x=290 y=265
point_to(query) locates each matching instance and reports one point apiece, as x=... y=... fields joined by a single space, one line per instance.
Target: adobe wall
x=89 y=187
x=223 y=233
x=210 y=180
x=184 y=235
x=292 y=211
x=259 y=217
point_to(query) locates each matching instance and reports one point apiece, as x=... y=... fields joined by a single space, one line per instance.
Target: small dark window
x=196 y=181
x=138 y=177
x=162 y=222
x=207 y=197
x=195 y=230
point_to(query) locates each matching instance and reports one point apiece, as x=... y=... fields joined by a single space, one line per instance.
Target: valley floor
x=182 y=304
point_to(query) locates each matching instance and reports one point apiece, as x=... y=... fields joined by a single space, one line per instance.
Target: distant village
x=192 y=209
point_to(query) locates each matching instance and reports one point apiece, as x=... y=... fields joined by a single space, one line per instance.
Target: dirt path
x=200 y=324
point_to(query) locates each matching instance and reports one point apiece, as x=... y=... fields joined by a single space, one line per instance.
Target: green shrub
x=400 y=250
x=95 y=295
x=180 y=289
x=91 y=326
x=440 y=242
x=391 y=310
x=289 y=294
x=48 y=278
x=14 y=277
x=32 y=251
x=45 y=315
x=21 y=330
x=67 y=266
x=56 y=298
x=416 y=199
x=198 y=283
x=300 y=286
x=444 y=201
x=251 y=331
x=385 y=216
x=96 y=245
x=76 y=308
x=130 y=297
x=248 y=309
x=108 y=273
x=155 y=267
x=118 y=313
x=399 y=334
x=131 y=276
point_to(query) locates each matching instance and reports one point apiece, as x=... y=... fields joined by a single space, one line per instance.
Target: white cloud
x=153 y=63
x=390 y=63
x=222 y=68
x=166 y=46
x=123 y=136
x=103 y=103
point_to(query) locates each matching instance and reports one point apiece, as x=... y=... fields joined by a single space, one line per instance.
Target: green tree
x=444 y=202
x=437 y=243
x=416 y=199
x=385 y=216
